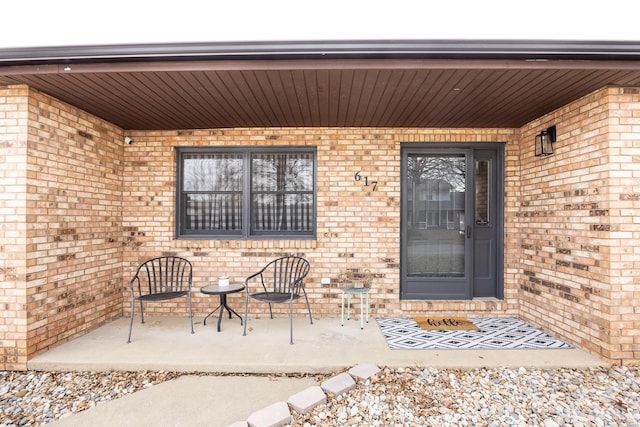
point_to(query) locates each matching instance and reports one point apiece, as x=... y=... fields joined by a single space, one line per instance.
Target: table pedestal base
x=222 y=307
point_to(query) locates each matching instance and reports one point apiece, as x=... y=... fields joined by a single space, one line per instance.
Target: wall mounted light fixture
x=544 y=142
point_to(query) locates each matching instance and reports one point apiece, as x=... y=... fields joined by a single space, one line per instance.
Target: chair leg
x=308 y=306
x=190 y=312
x=246 y=314
x=133 y=305
x=270 y=312
x=291 y=321
x=141 y=312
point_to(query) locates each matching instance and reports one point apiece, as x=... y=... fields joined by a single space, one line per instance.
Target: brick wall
x=624 y=213
x=576 y=217
x=13 y=233
x=80 y=210
x=357 y=227
x=67 y=232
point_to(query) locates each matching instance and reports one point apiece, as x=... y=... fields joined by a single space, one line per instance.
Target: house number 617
x=358 y=177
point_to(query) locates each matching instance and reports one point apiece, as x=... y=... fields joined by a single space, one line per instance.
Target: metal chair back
x=160 y=279
x=285 y=275
x=163 y=275
x=280 y=281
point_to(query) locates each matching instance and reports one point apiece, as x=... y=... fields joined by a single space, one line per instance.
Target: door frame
x=457 y=148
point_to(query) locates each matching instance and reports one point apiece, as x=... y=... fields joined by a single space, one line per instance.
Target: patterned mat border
x=494 y=334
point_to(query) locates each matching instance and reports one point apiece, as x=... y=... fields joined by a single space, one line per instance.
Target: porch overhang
x=424 y=84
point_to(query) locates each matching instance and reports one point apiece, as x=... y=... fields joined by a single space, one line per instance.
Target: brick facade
x=577 y=221
x=14 y=118
x=62 y=228
x=357 y=227
x=96 y=207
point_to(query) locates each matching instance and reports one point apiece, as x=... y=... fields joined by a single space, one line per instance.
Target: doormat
x=494 y=333
x=445 y=324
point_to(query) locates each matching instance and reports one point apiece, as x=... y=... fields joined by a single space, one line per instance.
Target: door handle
x=468 y=231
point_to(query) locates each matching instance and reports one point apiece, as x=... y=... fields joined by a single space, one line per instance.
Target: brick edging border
x=279 y=413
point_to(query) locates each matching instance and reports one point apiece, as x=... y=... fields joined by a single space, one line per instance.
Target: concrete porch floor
x=324 y=347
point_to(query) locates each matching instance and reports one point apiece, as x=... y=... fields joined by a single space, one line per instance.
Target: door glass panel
x=436 y=187
x=482 y=215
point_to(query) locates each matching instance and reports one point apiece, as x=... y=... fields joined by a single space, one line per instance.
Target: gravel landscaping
x=395 y=397
x=488 y=397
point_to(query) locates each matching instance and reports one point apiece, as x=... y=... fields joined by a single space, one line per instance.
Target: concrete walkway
x=190 y=401
x=324 y=347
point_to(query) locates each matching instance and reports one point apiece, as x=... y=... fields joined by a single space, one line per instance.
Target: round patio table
x=222 y=291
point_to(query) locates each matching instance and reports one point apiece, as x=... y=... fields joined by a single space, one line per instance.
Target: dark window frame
x=246 y=232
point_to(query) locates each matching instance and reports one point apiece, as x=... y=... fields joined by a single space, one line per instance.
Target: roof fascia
x=327 y=50
x=309 y=64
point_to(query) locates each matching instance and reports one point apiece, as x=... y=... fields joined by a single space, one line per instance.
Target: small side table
x=223 y=291
x=356 y=282
x=355 y=291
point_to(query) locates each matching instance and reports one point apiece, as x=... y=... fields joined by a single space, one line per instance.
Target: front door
x=451 y=222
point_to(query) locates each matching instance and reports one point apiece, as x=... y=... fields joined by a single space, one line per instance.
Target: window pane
x=280 y=212
x=282 y=192
x=220 y=212
x=282 y=172
x=212 y=172
x=276 y=199
x=483 y=180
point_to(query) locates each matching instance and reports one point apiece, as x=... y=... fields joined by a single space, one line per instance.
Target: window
x=246 y=193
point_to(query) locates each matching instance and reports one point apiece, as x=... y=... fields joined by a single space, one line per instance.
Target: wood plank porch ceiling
x=429 y=93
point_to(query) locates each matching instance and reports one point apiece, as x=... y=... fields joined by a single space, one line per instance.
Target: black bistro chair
x=280 y=281
x=160 y=279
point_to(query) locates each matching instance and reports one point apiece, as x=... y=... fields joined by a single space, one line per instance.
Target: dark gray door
x=451 y=222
